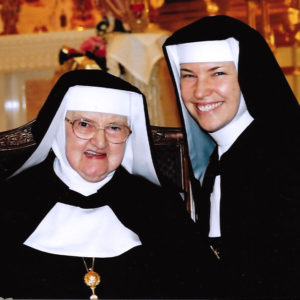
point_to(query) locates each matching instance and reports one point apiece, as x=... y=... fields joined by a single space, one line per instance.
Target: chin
x=210 y=127
x=93 y=178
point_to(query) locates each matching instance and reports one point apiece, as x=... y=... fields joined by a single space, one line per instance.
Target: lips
x=93 y=154
x=208 y=107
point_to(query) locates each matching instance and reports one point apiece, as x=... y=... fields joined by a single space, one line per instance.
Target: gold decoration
x=138 y=15
x=91 y=279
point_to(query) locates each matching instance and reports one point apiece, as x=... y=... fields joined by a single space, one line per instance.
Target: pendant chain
x=85 y=264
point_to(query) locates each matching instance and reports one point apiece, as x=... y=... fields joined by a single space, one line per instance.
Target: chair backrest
x=169 y=154
x=17 y=138
x=12 y=143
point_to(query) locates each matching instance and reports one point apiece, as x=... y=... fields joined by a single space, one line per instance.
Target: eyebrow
x=215 y=68
x=83 y=118
x=110 y=122
x=185 y=70
x=211 y=69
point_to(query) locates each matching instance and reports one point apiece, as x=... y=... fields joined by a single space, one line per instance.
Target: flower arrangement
x=95 y=48
x=96 y=45
x=92 y=52
x=72 y=59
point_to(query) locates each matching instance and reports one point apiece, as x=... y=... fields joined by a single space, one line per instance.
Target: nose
x=99 y=139
x=202 y=88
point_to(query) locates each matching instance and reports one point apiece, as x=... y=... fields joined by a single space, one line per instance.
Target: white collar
x=227 y=135
x=74 y=181
x=74 y=231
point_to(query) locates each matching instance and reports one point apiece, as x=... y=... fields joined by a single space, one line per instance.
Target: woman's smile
x=96 y=155
x=207 y=107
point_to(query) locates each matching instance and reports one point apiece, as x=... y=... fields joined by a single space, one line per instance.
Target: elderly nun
x=85 y=214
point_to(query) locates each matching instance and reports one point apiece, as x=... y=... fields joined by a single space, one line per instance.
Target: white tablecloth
x=138 y=52
x=142 y=57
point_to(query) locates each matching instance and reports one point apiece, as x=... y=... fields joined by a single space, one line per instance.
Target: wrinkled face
x=211 y=92
x=94 y=158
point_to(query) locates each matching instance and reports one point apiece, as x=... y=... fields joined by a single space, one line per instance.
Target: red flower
x=95 y=45
x=71 y=51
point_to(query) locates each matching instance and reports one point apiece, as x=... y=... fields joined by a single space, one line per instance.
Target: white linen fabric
x=92 y=232
x=209 y=51
x=137 y=52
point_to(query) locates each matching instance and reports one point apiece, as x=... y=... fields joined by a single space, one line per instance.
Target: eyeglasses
x=114 y=133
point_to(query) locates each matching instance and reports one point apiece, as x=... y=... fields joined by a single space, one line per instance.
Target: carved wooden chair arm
x=17 y=138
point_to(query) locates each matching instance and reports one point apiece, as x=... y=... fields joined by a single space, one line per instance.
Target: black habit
x=260 y=182
x=159 y=268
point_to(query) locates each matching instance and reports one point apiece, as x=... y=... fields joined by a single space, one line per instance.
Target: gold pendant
x=92 y=279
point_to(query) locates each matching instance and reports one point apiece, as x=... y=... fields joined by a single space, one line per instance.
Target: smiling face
x=94 y=158
x=211 y=92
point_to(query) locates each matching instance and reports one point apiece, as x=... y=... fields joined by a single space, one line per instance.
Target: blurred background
x=41 y=39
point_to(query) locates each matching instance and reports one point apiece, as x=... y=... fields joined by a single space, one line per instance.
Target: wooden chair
x=169 y=154
x=13 y=143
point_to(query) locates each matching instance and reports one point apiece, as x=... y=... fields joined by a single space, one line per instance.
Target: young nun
x=88 y=201
x=238 y=109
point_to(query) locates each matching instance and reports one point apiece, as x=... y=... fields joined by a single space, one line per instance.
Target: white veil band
x=208 y=51
x=98 y=99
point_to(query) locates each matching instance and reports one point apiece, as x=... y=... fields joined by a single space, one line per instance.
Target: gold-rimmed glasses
x=114 y=133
